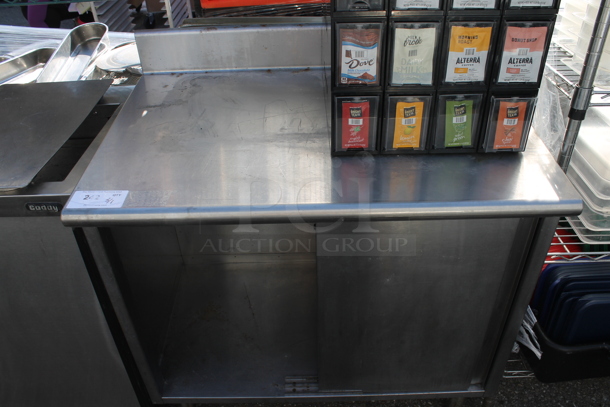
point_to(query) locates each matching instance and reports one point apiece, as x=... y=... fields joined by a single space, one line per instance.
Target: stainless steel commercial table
x=244 y=262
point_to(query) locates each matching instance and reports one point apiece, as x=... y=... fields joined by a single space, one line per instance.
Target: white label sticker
x=531 y=3
x=486 y=4
x=409 y=4
x=97 y=199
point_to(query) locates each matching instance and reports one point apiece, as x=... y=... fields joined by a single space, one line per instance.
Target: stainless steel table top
x=254 y=146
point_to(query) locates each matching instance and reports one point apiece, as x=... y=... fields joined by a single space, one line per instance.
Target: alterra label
x=413 y=55
x=522 y=54
x=468 y=51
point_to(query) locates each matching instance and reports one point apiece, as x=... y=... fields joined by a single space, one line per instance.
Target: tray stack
x=571 y=305
x=589 y=171
x=437 y=76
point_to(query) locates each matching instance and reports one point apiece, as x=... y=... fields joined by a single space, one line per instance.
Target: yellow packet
x=407 y=127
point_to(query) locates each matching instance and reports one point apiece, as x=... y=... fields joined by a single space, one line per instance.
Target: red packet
x=355 y=125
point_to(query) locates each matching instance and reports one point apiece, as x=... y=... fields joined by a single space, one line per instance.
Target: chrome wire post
x=583 y=91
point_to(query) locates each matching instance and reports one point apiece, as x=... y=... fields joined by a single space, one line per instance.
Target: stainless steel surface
x=37 y=120
x=530 y=266
x=17 y=40
x=120 y=297
x=235 y=21
x=250 y=319
x=13 y=202
x=569 y=140
x=25 y=68
x=119 y=58
x=584 y=89
x=255 y=147
x=235 y=47
x=82 y=44
x=56 y=347
x=426 y=322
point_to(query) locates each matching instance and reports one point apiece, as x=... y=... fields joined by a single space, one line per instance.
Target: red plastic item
x=243 y=3
x=564 y=242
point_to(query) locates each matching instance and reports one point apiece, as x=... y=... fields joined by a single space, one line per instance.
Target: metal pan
x=120 y=58
x=81 y=46
x=25 y=68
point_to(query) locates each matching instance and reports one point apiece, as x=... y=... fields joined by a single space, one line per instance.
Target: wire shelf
x=565 y=77
x=567 y=247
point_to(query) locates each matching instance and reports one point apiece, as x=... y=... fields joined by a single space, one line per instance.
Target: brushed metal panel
x=414 y=323
x=235 y=46
x=239 y=329
x=151 y=266
x=34 y=128
x=56 y=347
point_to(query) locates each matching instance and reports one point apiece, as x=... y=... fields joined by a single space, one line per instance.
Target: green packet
x=458 y=123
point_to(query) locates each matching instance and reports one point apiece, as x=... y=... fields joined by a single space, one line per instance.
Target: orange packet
x=509 y=127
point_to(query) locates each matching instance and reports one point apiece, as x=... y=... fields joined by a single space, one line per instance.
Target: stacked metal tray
x=25 y=68
x=70 y=61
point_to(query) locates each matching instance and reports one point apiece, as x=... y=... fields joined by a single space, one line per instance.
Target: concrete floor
x=513 y=392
